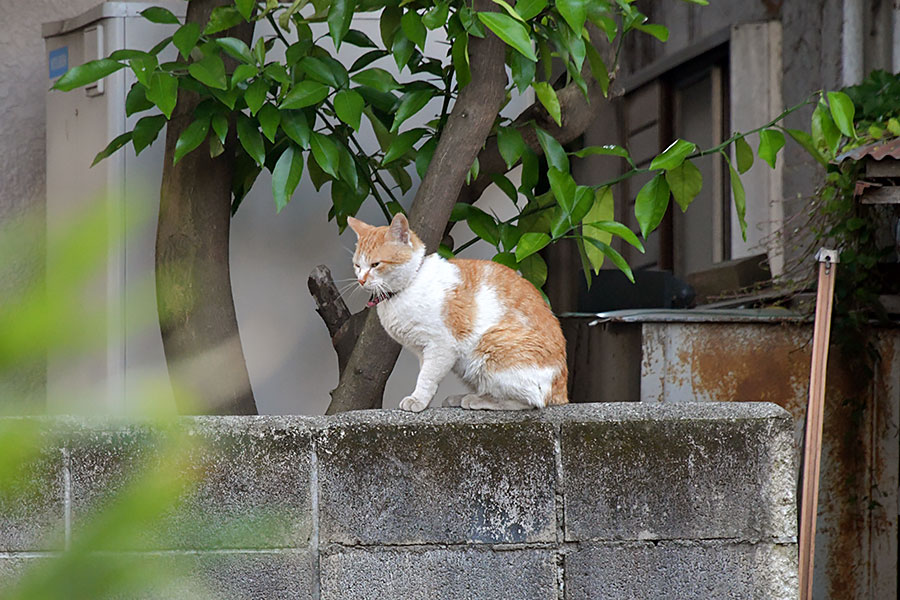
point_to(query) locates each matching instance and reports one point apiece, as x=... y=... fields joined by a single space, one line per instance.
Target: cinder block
x=679 y=471
x=246 y=481
x=682 y=571
x=280 y=575
x=12 y=569
x=438 y=574
x=32 y=495
x=444 y=477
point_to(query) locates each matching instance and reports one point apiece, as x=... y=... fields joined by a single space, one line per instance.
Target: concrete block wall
x=584 y=501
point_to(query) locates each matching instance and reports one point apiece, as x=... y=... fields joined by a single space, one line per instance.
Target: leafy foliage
x=311 y=105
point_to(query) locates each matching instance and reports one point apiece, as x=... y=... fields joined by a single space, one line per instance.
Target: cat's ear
x=358 y=226
x=400 y=229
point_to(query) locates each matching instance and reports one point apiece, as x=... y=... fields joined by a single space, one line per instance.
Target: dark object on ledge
x=611 y=290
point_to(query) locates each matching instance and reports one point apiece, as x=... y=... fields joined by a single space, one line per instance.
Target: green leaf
x=306 y=93
x=824 y=131
x=744 y=155
x=574 y=12
x=255 y=95
x=243 y=73
x=411 y=103
x=389 y=24
x=673 y=156
x=185 y=39
x=534 y=269
x=158 y=14
x=347 y=168
x=842 y=112
x=563 y=187
x=509 y=235
x=245 y=7
x=259 y=50
x=219 y=124
x=547 y=95
x=144 y=67
x=423 y=157
x=685 y=182
x=598 y=68
x=163 y=92
x=437 y=16
x=235 y=48
x=87 y=73
x=339 y=17
x=366 y=59
x=136 y=100
x=605 y=150
x=146 y=131
x=523 y=70
x=484 y=226
x=614 y=256
x=293 y=123
x=349 y=105
x=325 y=152
x=320 y=71
x=528 y=9
x=510 y=31
x=193 y=135
x=614 y=227
x=506 y=186
x=660 y=32
x=412 y=26
x=222 y=18
x=770 y=142
x=893 y=126
x=114 y=145
x=359 y=39
x=507 y=259
x=269 y=119
x=511 y=145
x=805 y=140
x=376 y=78
x=402 y=144
x=740 y=199
x=402 y=49
x=651 y=204
x=459 y=54
x=286 y=175
x=601 y=212
x=251 y=139
x=210 y=71
x=556 y=156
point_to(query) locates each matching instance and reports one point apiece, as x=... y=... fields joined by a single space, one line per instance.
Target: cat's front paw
x=412 y=404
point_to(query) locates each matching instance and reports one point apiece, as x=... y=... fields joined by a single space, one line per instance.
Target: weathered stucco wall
x=586 y=501
x=23 y=81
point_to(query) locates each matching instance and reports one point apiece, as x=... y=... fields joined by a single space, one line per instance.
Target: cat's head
x=386 y=258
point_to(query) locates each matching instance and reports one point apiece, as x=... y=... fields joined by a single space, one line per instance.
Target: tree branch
x=577 y=115
x=470 y=122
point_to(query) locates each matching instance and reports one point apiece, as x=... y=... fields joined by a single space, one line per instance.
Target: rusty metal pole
x=827 y=260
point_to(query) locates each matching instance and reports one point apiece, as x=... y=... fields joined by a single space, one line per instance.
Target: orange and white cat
x=477 y=318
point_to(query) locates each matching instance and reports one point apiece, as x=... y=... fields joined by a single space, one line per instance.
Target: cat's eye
x=375 y=264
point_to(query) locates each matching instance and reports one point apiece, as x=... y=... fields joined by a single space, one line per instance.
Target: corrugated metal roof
x=662 y=315
x=878 y=151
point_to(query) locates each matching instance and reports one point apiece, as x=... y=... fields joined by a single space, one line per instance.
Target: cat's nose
x=362 y=280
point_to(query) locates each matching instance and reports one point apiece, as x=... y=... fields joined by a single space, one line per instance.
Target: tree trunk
x=193 y=281
x=369 y=366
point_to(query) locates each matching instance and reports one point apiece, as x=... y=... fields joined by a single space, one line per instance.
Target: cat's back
x=508 y=321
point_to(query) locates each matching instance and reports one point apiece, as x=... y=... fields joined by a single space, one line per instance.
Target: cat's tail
x=558 y=388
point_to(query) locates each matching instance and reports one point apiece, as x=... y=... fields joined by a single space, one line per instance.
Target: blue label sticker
x=58 y=61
